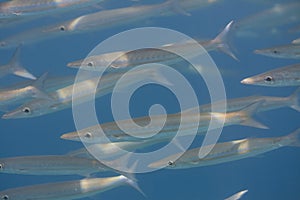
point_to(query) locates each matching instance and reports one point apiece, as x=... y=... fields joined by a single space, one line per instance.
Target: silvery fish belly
x=67 y=190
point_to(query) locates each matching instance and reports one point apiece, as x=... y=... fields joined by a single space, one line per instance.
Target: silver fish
x=22 y=8
x=123 y=59
x=284 y=76
x=268 y=103
x=229 y=151
x=51 y=165
x=98 y=21
x=14 y=67
x=268 y=20
x=62 y=99
x=113 y=132
x=68 y=190
x=284 y=51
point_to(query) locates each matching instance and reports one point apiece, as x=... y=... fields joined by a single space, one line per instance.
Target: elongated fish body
x=99 y=20
x=268 y=103
x=67 y=190
x=123 y=59
x=95 y=21
x=284 y=76
x=278 y=15
x=111 y=129
x=229 y=151
x=50 y=165
x=62 y=98
x=21 y=8
x=290 y=51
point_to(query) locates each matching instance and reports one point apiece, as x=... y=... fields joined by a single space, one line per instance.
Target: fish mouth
x=10 y=115
x=68 y=136
x=74 y=64
x=257 y=51
x=247 y=81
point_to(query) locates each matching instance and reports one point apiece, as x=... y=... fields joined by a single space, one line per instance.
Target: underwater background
x=274 y=175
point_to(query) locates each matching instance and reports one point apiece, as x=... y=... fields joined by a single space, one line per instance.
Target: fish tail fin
x=176 y=7
x=39 y=87
x=249 y=111
x=237 y=195
x=295 y=101
x=222 y=43
x=16 y=68
x=294 y=138
x=133 y=183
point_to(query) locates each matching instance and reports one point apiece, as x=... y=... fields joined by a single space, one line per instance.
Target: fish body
x=163 y=55
x=51 y=165
x=170 y=129
x=270 y=19
x=228 y=151
x=62 y=98
x=96 y=21
x=268 y=103
x=21 y=8
x=67 y=190
x=290 y=51
x=284 y=76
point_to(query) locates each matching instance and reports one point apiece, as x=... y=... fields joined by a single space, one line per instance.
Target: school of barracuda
x=45 y=94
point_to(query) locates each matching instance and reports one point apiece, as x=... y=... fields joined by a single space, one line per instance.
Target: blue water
x=274 y=175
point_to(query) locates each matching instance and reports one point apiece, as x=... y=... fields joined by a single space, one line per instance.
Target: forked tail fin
x=222 y=43
x=294 y=138
x=16 y=68
x=133 y=183
x=249 y=111
x=237 y=195
x=294 y=99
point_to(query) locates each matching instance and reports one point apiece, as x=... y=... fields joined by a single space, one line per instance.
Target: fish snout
x=247 y=81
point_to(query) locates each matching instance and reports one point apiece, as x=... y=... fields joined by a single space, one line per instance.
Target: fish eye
x=5 y=197
x=268 y=79
x=1 y=166
x=90 y=64
x=2 y=44
x=170 y=163
x=275 y=51
x=62 y=28
x=88 y=135
x=26 y=110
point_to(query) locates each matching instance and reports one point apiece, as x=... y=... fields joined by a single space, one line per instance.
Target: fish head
x=265 y=79
x=86 y=136
x=93 y=63
x=168 y=162
x=276 y=52
x=31 y=109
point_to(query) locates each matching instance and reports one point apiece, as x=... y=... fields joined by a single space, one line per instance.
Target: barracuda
x=228 y=151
